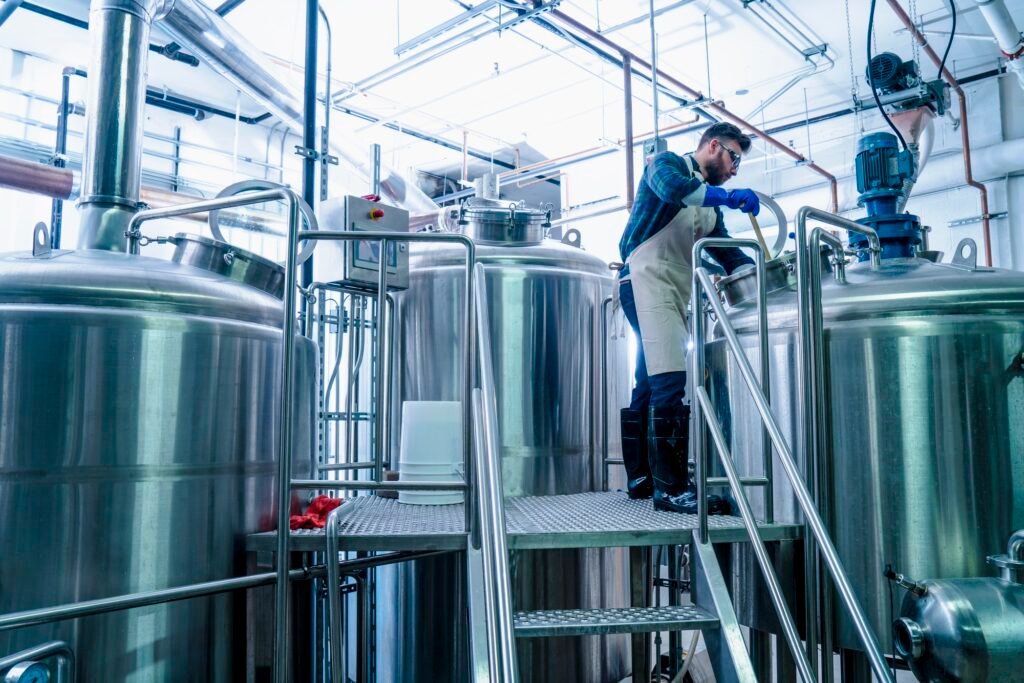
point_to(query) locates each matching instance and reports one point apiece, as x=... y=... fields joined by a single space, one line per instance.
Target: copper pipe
x=627 y=92
x=710 y=106
x=31 y=176
x=965 y=136
x=545 y=162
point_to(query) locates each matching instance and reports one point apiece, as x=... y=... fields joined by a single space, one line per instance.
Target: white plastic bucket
x=431 y=450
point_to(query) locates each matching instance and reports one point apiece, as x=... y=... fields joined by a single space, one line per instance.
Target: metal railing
x=286 y=484
x=57 y=649
x=490 y=536
x=809 y=303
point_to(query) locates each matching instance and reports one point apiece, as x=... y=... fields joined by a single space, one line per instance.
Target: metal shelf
x=581 y=520
x=602 y=621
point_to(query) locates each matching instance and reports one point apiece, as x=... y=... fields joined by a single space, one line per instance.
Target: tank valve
x=908 y=584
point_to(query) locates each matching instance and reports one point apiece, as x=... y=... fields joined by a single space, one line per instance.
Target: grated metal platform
x=581 y=520
x=591 y=622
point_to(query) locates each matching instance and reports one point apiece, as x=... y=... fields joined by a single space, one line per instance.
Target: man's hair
x=725 y=131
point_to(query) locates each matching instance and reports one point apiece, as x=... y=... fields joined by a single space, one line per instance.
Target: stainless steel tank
x=139 y=403
x=545 y=304
x=926 y=396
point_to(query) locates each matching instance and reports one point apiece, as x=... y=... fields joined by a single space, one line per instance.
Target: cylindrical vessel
x=968 y=630
x=139 y=413
x=544 y=303
x=926 y=408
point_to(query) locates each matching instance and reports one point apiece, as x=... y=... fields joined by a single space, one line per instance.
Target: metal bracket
x=966 y=254
x=41 y=241
x=307 y=153
x=960 y=222
x=677 y=584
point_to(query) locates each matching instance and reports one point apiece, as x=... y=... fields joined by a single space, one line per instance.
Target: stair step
x=601 y=621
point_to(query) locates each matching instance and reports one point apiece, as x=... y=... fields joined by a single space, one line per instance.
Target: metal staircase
x=488 y=526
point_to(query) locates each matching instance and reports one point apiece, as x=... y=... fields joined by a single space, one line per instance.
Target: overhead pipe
x=1006 y=33
x=965 y=136
x=224 y=49
x=9 y=7
x=711 y=107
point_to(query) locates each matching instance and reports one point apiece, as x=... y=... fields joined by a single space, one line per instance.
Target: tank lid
x=493 y=221
x=232 y=262
x=108 y=279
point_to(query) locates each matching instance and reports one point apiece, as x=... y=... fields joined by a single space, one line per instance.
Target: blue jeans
x=664 y=389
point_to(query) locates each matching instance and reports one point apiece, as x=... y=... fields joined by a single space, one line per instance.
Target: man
x=678 y=202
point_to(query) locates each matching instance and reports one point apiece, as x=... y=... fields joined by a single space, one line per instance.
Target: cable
x=874 y=90
x=952 y=33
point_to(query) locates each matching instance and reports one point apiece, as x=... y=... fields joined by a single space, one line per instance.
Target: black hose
x=952 y=33
x=874 y=90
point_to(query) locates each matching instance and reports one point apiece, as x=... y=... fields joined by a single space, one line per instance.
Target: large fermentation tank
x=544 y=301
x=139 y=403
x=926 y=401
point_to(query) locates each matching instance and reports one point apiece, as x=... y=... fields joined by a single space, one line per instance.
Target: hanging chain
x=915 y=48
x=854 y=93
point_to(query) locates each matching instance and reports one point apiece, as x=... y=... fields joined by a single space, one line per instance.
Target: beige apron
x=661 y=272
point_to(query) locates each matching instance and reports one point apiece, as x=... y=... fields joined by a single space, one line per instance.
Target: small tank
x=544 y=299
x=138 y=448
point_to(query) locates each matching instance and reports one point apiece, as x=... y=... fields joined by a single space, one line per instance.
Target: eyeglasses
x=733 y=156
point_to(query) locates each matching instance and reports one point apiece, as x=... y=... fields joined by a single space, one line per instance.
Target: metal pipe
x=654 y=74
x=375 y=184
x=224 y=49
x=55 y=648
x=309 y=107
x=335 y=621
x=490 y=496
x=115 y=104
x=965 y=136
x=1001 y=23
x=835 y=566
x=60 y=150
x=383 y=380
x=778 y=599
x=603 y=365
x=347 y=485
x=709 y=106
x=627 y=95
x=31 y=176
x=9 y=7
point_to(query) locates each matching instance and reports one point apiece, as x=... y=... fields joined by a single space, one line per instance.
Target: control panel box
x=356 y=263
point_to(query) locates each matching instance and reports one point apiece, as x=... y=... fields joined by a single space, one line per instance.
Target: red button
x=376 y=214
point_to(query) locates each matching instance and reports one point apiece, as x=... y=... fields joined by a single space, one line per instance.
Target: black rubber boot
x=639 y=483
x=668 y=439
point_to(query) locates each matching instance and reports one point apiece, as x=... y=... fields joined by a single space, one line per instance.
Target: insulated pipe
x=710 y=106
x=627 y=94
x=224 y=49
x=1006 y=34
x=964 y=132
x=112 y=162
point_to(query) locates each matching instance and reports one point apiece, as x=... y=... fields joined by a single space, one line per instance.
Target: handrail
x=778 y=599
x=698 y=374
x=58 y=649
x=603 y=388
x=491 y=538
x=811 y=381
x=702 y=285
x=295 y=235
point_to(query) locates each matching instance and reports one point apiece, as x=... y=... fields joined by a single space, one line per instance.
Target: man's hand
x=744 y=200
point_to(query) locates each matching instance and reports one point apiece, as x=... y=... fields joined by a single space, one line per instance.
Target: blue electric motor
x=882 y=170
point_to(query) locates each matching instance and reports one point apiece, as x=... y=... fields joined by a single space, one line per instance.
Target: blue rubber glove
x=744 y=200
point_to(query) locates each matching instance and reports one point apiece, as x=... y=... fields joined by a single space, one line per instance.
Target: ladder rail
x=490 y=535
x=704 y=290
x=789 y=630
